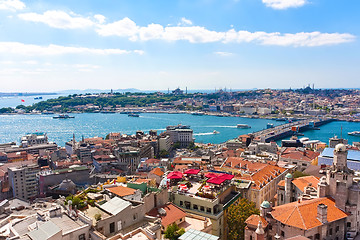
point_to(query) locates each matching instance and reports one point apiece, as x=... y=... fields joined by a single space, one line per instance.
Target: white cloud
x=196 y=34
x=11 y=5
x=122 y=28
x=58 y=19
x=100 y=18
x=36 y=50
x=185 y=22
x=193 y=34
x=284 y=4
x=224 y=54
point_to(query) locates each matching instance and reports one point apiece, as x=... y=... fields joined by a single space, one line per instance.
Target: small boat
x=197 y=113
x=133 y=115
x=63 y=116
x=215 y=132
x=354 y=133
x=243 y=126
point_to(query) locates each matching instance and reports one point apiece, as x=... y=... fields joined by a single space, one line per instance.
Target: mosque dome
x=67 y=185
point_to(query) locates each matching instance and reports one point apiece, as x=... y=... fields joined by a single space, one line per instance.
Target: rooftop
x=303 y=215
x=197 y=235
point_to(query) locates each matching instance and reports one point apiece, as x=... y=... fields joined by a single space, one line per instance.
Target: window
x=112 y=227
x=330 y=231
x=135 y=216
x=195 y=207
x=317 y=236
x=181 y=203
x=202 y=208
x=282 y=234
x=348 y=224
x=251 y=238
x=82 y=236
x=208 y=210
x=337 y=228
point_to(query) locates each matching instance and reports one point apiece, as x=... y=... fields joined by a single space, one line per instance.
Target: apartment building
x=23 y=181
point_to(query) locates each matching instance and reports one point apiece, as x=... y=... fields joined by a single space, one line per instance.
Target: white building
x=180 y=133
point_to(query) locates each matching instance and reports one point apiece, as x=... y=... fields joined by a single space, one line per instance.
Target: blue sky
x=202 y=44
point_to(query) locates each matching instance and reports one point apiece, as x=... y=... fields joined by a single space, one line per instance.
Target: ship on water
x=354 y=133
x=244 y=126
x=63 y=116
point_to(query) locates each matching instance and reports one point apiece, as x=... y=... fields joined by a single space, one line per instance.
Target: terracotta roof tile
x=254 y=221
x=122 y=191
x=293 y=153
x=173 y=214
x=303 y=182
x=157 y=171
x=303 y=215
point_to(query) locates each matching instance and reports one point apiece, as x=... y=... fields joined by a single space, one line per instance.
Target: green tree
x=236 y=217
x=163 y=153
x=173 y=232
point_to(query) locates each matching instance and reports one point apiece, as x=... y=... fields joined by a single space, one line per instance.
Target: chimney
x=322 y=213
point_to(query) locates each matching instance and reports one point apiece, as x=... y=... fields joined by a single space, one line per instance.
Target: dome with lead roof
x=340 y=148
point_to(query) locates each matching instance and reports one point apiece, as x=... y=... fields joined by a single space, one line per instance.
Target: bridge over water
x=289 y=129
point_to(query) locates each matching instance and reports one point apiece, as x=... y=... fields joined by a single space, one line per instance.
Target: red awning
x=216 y=180
x=226 y=176
x=175 y=175
x=211 y=175
x=192 y=171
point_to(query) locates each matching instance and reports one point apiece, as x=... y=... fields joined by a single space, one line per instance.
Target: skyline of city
x=206 y=44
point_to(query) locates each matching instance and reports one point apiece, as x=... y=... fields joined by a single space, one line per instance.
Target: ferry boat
x=243 y=126
x=63 y=116
x=197 y=113
x=133 y=115
x=354 y=133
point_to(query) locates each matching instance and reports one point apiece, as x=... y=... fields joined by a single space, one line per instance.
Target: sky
x=55 y=45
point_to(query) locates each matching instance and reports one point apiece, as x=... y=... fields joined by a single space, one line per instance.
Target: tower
x=339 y=177
x=322 y=187
x=265 y=207
x=288 y=189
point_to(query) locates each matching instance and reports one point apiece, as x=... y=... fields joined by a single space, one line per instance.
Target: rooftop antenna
x=168 y=91
x=186 y=90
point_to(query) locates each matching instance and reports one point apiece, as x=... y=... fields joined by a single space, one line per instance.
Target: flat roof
x=352 y=154
x=115 y=205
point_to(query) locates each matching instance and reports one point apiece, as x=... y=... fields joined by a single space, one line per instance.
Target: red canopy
x=175 y=175
x=226 y=176
x=192 y=171
x=216 y=180
x=211 y=175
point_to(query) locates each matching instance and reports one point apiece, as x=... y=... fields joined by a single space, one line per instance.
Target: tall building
x=23 y=181
x=181 y=134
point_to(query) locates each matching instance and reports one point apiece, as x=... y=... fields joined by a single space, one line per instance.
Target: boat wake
x=204 y=134
x=220 y=126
